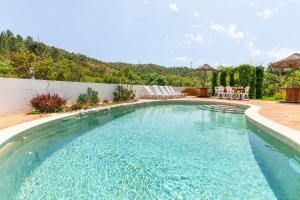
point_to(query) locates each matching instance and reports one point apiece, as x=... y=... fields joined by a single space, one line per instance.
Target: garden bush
x=245 y=72
x=231 y=78
x=223 y=77
x=278 y=96
x=123 y=93
x=90 y=98
x=214 y=82
x=247 y=77
x=252 y=92
x=48 y=103
x=259 y=81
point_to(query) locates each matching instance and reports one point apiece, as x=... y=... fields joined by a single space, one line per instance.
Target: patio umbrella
x=206 y=68
x=293 y=61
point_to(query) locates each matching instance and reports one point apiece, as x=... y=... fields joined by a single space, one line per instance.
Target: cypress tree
x=259 y=81
x=214 y=81
x=223 y=76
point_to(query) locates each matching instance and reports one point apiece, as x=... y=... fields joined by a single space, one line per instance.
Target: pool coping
x=283 y=133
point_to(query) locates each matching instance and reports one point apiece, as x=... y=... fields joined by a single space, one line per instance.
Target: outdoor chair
x=165 y=92
x=170 y=91
x=149 y=93
x=245 y=94
x=159 y=93
x=217 y=91
x=230 y=93
x=221 y=92
x=177 y=93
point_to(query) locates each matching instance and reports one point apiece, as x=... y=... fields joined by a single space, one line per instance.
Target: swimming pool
x=155 y=151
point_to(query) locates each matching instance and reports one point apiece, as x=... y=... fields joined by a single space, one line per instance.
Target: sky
x=165 y=32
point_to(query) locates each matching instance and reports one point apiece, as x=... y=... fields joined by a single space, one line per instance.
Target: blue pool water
x=176 y=151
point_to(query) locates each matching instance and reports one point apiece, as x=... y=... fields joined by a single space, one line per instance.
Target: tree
x=22 y=61
x=223 y=77
x=6 y=70
x=259 y=81
x=45 y=70
x=214 y=81
x=231 y=77
x=247 y=77
x=4 y=45
x=252 y=92
x=244 y=77
x=22 y=53
x=271 y=84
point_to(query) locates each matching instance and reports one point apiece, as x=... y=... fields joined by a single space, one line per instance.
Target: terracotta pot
x=203 y=92
x=292 y=94
x=191 y=91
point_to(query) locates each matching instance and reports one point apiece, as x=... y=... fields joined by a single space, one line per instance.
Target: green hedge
x=214 y=82
x=259 y=81
x=231 y=78
x=223 y=77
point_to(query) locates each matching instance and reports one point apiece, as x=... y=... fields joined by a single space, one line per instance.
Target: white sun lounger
x=164 y=91
x=149 y=93
x=167 y=88
x=176 y=93
x=159 y=93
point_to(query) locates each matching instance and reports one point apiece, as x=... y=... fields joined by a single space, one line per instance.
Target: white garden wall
x=15 y=94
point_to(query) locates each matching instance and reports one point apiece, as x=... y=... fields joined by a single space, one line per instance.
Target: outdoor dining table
x=238 y=91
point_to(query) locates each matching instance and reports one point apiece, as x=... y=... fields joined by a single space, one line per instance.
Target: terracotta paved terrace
x=283 y=113
x=286 y=114
x=13 y=119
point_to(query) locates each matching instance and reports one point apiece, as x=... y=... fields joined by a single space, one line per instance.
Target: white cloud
x=196 y=14
x=181 y=58
x=231 y=31
x=173 y=7
x=295 y=1
x=274 y=54
x=253 y=50
x=194 y=38
x=267 y=13
x=279 y=53
x=217 y=64
x=216 y=27
x=146 y=1
x=234 y=34
x=251 y=3
x=197 y=38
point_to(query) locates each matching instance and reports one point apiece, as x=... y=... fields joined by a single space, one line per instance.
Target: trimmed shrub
x=231 y=78
x=214 y=82
x=247 y=77
x=245 y=73
x=223 y=77
x=259 y=81
x=48 y=103
x=278 y=96
x=252 y=93
x=89 y=98
x=122 y=93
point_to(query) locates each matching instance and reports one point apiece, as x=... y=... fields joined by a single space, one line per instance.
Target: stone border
x=289 y=136
x=285 y=134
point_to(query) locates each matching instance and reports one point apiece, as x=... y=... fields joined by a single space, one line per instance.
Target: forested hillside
x=18 y=54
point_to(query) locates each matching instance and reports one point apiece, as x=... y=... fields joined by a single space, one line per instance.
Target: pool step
x=222 y=108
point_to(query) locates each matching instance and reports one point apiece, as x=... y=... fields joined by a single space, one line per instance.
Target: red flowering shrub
x=48 y=103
